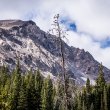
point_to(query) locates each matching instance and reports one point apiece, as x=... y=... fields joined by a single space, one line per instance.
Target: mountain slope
x=37 y=49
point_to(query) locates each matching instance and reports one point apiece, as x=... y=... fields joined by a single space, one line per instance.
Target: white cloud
x=91 y=17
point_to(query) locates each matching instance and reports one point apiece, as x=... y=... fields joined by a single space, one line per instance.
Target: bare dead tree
x=59 y=33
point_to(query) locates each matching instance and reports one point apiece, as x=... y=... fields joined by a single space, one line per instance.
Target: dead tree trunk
x=59 y=36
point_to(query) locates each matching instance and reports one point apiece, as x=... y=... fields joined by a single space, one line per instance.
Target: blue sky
x=70 y=25
x=105 y=43
x=87 y=21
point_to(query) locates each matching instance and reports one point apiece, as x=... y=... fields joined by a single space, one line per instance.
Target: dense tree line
x=28 y=91
x=95 y=97
x=31 y=91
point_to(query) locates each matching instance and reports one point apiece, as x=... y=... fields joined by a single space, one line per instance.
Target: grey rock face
x=39 y=50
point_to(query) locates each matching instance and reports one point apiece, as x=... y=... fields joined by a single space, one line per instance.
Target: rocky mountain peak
x=39 y=50
x=12 y=23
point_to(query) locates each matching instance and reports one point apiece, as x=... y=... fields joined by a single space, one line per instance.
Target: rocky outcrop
x=37 y=49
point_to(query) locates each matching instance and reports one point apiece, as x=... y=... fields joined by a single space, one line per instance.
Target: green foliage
x=31 y=91
x=79 y=102
x=100 y=80
x=22 y=99
x=15 y=86
x=59 y=95
x=88 y=88
x=105 y=99
x=38 y=88
x=47 y=94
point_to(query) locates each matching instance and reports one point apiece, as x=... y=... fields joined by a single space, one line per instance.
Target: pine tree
x=59 y=94
x=47 y=94
x=38 y=88
x=30 y=91
x=22 y=102
x=88 y=87
x=4 y=93
x=79 y=102
x=97 y=98
x=15 y=86
x=44 y=98
x=105 y=99
x=88 y=94
x=108 y=95
x=100 y=80
x=102 y=104
x=3 y=75
x=4 y=87
x=84 y=95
